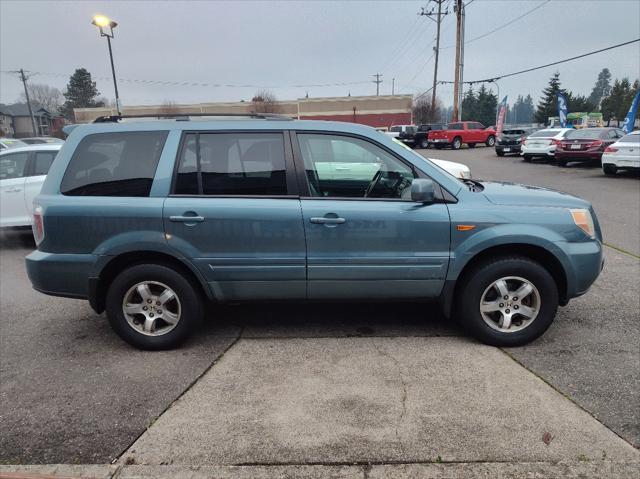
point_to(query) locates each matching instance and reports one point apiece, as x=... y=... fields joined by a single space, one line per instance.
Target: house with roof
x=15 y=121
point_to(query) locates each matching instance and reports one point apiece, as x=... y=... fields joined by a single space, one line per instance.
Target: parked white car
x=22 y=173
x=458 y=170
x=624 y=154
x=6 y=143
x=542 y=143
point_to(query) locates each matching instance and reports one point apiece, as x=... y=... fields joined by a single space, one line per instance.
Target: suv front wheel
x=153 y=306
x=507 y=301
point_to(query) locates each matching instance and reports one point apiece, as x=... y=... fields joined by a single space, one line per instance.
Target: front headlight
x=583 y=220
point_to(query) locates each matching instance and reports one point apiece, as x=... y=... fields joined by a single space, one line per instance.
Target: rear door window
x=232 y=164
x=114 y=164
x=42 y=162
x=13 y=165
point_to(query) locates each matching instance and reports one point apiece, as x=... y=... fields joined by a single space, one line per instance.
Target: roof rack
x=185 y=116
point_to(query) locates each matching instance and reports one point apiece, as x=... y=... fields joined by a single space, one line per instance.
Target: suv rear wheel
x=153 y=306
x=507 y=301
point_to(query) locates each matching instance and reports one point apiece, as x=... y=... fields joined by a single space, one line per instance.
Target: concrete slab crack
x=403 y=409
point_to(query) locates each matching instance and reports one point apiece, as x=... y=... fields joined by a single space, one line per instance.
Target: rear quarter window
x=114 y=164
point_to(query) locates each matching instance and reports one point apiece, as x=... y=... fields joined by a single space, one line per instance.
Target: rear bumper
x=547 y=151
x=508 y=148
x=578 y=155
x=442 y=141
x=65 y=275
x=621 y=161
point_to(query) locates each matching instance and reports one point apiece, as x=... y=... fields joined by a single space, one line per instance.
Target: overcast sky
x=281 y=45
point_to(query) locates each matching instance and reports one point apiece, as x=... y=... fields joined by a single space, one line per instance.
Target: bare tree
x=43 y=96
x=265 y=102
x=423 y=113
x=168 y=109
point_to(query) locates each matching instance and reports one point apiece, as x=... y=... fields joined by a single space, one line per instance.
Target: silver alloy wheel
x=457 y=143
x=151 y=308
x=510 y=304
x=491 y=141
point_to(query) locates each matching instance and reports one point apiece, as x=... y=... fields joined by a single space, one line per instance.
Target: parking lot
x=275 y=384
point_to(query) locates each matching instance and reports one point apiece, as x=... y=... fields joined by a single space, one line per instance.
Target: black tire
x=456 y=143
x=471 y=145
x=609 y=170
x=424 y=143
x=491 y=140
x=499 y=153
x=475 y=282
x=187 y=293
x=527 y=158
x=561 y=162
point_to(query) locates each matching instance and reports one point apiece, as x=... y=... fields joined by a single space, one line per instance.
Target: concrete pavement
x=336 y=401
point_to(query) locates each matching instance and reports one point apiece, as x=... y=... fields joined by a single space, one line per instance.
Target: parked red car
x=469 y=132
x=587 y=144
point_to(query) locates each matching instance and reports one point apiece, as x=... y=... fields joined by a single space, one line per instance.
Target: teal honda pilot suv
x=155 y=221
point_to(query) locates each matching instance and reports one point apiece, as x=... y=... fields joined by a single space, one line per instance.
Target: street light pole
x=102 y=22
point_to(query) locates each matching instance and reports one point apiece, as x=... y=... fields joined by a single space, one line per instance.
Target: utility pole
x=377 y=81
x=438 y=19
x=26 y=94
x=461 y=87
x=456 y=79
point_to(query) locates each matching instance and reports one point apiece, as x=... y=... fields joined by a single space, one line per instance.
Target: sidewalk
x=377 y=407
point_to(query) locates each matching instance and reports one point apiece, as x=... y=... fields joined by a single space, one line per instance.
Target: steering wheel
x=374 y=182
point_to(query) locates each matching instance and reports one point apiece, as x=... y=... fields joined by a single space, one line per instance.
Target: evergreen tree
x=469 y=105
x=81 y=93
x=616 y=105
x=548 y=105
x=486 y=106
x=580 y=103
x=601 y=89
x=526 y=111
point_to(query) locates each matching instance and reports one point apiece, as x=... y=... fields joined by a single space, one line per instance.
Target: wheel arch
x=99 y=285
x=534 y=252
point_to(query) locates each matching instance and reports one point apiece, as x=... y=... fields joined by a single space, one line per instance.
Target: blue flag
x=627 y=126
x=562 y=109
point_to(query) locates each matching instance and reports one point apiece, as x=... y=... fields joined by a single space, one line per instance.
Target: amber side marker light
x=465 y=227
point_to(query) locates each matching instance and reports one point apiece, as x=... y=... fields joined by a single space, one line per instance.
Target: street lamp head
x=102 y=22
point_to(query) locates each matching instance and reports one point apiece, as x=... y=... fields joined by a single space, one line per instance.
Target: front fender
x=466 y=248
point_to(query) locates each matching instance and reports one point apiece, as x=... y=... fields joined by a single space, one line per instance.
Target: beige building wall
x=330 y=106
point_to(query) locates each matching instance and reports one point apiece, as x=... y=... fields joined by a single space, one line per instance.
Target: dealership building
x=376 y=111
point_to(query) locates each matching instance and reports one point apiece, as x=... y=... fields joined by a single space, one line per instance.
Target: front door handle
x=321 y=220
x=187 y=219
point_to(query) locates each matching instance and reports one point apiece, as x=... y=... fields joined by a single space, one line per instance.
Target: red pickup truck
x=469 y=132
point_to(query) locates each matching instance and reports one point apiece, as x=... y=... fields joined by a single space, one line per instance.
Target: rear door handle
x=326 y=221
x=187 y=219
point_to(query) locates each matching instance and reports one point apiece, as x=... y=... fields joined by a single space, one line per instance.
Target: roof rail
x=185 y=116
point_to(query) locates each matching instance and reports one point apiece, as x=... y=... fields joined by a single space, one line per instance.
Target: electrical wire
x=487 y=80
x=501 y=26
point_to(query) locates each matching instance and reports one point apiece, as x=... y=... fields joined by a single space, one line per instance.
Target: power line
x=487 y=80
x=397 y=51
x=198 y=83
x=502 y=26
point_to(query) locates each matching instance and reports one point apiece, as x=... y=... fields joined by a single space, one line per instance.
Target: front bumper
x=64 y=275
x=585 y=261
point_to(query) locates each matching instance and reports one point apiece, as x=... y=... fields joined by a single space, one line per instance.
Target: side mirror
x=423 y=191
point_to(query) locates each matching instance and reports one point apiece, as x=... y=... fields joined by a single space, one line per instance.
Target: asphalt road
x=70 y=391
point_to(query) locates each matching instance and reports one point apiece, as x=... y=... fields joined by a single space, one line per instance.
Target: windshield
x=513 y=132
x=586 y=133
x=630 y=139
x=545 y=134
